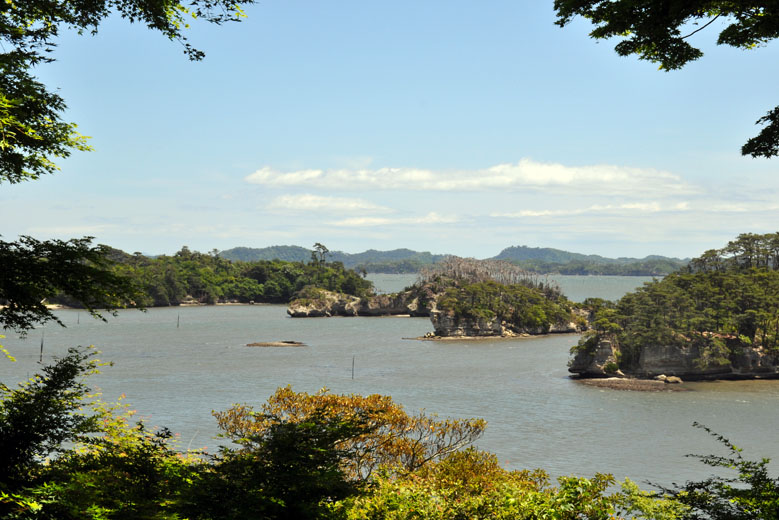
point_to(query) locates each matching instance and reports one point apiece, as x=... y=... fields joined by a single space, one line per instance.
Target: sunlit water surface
x=175 y=376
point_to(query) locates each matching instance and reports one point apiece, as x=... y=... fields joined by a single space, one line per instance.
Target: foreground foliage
x=751 y=493
x=34 y=270
x=339 y=457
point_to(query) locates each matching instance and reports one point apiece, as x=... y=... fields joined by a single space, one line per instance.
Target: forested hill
x=546 y=259
x=537 y=259
x=394 y=261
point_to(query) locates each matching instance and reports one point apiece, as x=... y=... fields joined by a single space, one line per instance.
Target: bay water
x=176 y=365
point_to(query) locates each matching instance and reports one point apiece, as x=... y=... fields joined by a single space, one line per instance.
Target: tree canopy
x=35 y=270
x=32 y=132
x=659 y=31
x=33 y=135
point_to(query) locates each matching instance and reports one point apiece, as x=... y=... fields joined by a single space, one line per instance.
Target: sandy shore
x=490 y=338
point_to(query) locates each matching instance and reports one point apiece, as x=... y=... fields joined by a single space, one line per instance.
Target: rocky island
x=463 y=298
x=718 y=318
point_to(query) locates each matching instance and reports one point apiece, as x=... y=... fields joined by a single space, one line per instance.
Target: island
x=464 y=298
x=717 y=318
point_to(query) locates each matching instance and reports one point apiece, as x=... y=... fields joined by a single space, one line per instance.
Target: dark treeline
x=725 y=300
x=189 y=277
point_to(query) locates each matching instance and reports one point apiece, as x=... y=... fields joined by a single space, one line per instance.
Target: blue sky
x=451 y=127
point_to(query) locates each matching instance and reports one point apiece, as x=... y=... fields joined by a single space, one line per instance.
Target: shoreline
x=484 y=338
x=631 y=384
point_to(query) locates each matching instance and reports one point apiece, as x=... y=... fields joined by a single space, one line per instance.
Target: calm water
x=538 y=417
x=576 y=288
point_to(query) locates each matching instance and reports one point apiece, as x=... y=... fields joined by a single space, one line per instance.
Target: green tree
x=32 y=132
x=659 y=31
x=33 y=135
x=751 y=494
x=319 y=254
x=40 y=415
x=34 y=270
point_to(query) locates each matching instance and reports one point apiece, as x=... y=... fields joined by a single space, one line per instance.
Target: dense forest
x=722 y=301
x=193 y=277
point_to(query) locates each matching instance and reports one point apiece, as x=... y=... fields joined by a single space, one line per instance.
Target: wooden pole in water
x=178 y=320
x=78 y=318
x=43 y=333
x=352 y=367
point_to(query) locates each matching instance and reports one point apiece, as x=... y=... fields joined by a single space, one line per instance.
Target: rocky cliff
x=322 y=303
x=684 y=362
x=446 y=324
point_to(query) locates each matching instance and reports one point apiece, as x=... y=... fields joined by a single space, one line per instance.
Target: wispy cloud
x=526 y=174
x=316 y=203
x=621 y=209
x=699 y=209
x=71 y=231
x=430 y=218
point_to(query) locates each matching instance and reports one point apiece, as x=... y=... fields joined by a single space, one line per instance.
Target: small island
x=464 y=298
x=718 y=318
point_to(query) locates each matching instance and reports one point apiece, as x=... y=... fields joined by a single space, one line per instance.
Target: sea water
x=176 y=365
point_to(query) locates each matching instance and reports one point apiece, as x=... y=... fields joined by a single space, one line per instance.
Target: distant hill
x=548 y=254
x=538 y=259
x=394 y=261
x=546 y=260
x=250 y=254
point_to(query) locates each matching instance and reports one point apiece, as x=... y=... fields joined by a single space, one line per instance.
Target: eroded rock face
x=747 y=362
x=446 y=324
x=328 y=303
x=675 y=361
x=601 y=362
x=663 y=362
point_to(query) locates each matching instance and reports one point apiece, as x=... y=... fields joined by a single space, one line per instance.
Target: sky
x=444 y=126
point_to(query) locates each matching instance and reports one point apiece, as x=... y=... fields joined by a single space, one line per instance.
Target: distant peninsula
x=542 y=260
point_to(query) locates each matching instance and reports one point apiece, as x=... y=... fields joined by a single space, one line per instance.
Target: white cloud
x=526 y=174
x=430 y=218
x=266 y=175
x=318 y=203
x=622 y=209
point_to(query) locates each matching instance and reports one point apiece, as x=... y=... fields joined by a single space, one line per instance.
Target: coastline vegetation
x=723 y=301
x=190 y=276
